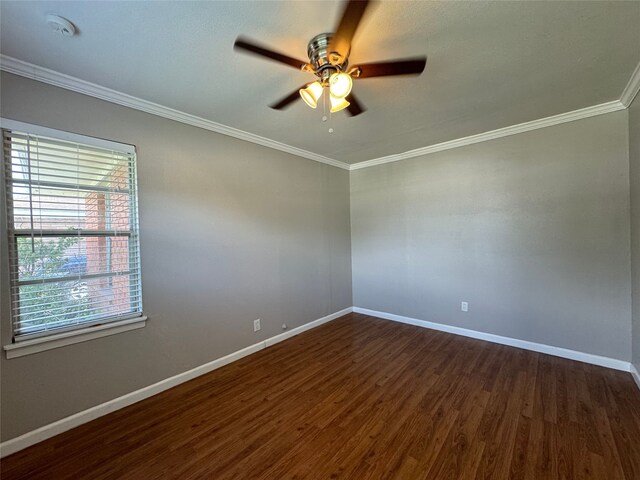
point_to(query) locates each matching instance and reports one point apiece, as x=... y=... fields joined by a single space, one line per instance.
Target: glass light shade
x=311 y=93
x=340 y=84
x=338 y=103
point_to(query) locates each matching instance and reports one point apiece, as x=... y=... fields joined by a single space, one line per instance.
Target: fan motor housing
x=325 y=62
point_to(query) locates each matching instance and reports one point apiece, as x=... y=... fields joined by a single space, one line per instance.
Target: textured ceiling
x=491 y=64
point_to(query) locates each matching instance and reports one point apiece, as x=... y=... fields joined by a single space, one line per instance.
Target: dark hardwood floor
x=364 y=398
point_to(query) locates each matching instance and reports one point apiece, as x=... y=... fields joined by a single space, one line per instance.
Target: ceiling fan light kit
x=311 y=94
x=338 y=103
x=340 y=84
x=329 y=59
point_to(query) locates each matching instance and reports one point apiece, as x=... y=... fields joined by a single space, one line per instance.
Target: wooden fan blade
x=351 y=17
x=288 y=100
x=251 y=47
x=410 y=66
x=355 y=107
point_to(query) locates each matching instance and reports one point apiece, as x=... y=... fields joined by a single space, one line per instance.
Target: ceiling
x=491 y=64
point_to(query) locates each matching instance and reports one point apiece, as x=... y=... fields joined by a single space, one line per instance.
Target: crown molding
x=632 y=88
x=499 y=133
x=45 y=75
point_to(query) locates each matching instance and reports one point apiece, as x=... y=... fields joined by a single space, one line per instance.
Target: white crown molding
x=80 y=418
x=499 y=133
x=632 y=88
x=607 y=362
x=45 y=75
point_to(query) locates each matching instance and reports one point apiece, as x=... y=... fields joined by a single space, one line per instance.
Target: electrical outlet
x=284 y=326
x=464 y=306
x=256 y=325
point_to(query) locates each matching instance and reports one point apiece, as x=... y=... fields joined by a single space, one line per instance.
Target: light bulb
x=340 y=84
x=311 y=93
x=338 y=103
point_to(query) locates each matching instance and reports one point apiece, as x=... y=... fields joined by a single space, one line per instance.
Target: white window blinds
x=72 y=215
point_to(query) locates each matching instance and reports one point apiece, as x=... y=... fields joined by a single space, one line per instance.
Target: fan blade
x=351 y=17
x=355 y=107
x=411 y=66
x=288 y=100
x=249 y=46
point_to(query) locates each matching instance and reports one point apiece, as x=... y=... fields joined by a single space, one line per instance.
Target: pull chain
x=324 y=110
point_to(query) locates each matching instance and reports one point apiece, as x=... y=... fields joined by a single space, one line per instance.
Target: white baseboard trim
x=307 y=326
x=60 y=426
x=635 y=374
x=513 y=342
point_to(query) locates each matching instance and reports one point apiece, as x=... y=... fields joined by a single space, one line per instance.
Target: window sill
x=28 y=347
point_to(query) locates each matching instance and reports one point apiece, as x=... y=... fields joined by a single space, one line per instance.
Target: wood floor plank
x=364 y=398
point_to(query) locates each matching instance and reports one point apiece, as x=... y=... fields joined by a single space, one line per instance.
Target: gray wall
x=230 y=232
x=634 y=168
x=532 y=230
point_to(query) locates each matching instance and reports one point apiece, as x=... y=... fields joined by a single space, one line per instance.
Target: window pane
x=73 y=233
x=61 y=304
x=55 y=257
x=59 y=208
x=40 y=161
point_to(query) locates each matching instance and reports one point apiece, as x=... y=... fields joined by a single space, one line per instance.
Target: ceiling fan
x=329 y=61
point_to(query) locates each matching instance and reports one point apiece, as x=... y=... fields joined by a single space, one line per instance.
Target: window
x=72 y=225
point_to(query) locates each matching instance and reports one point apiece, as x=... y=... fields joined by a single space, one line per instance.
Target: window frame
x=43 y=340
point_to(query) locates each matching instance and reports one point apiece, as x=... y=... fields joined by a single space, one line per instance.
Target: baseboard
x=635 y=374
x=307 y=326
x=60 y=426
x=513 y=342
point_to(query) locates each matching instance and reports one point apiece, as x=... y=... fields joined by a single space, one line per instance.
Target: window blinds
x=74 y=255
